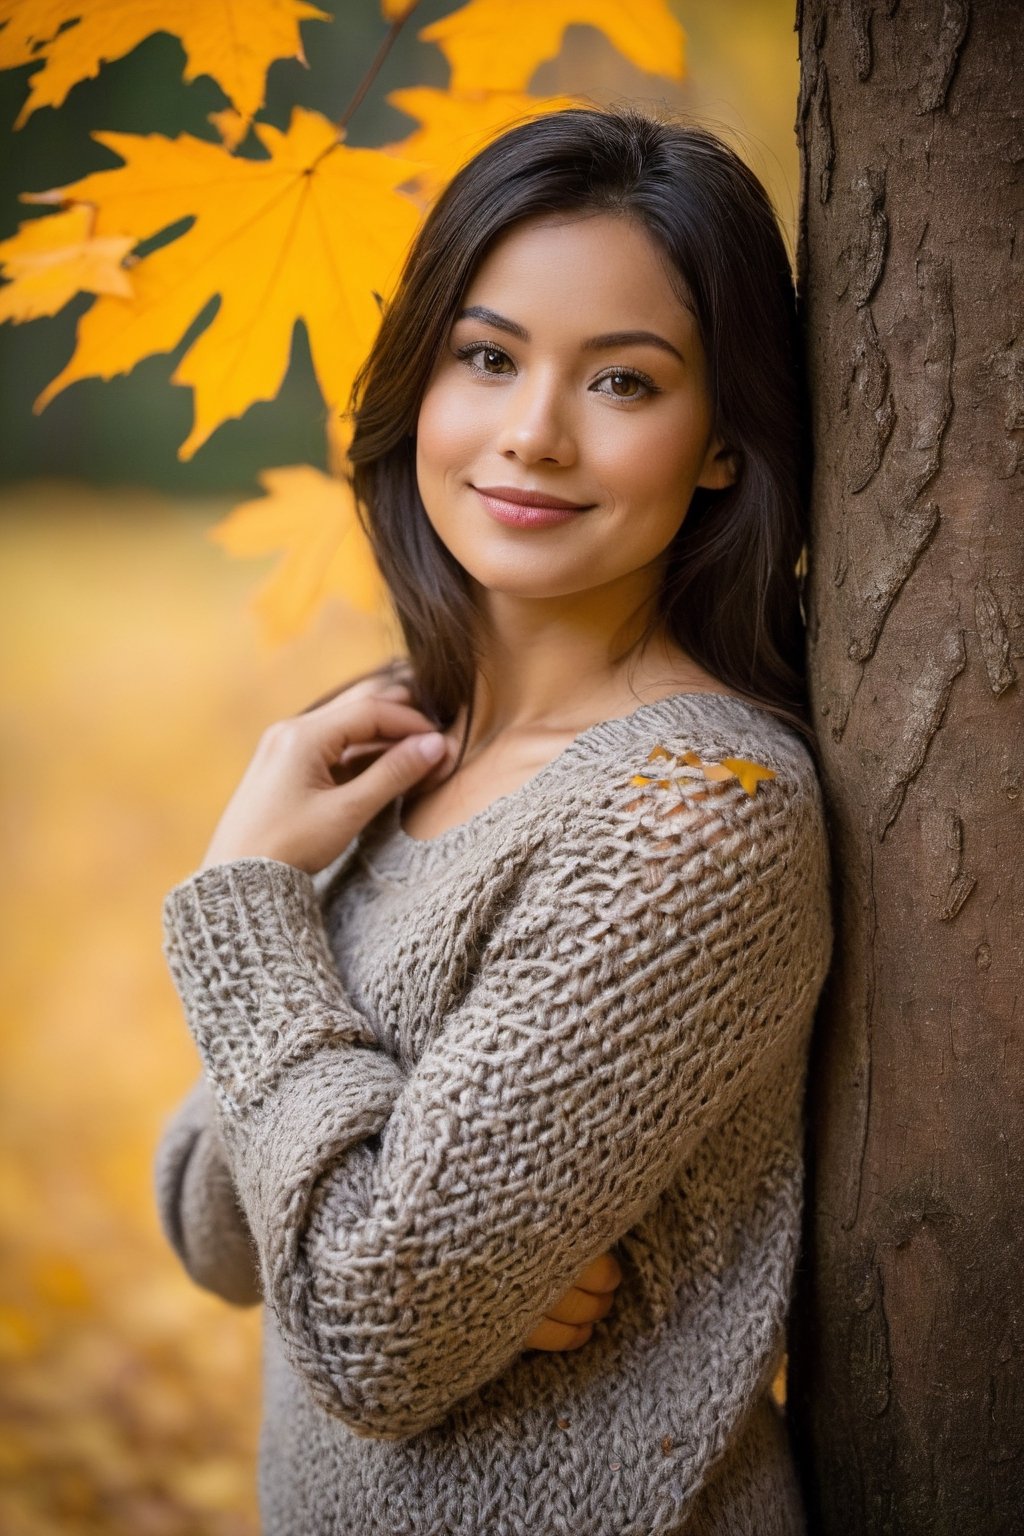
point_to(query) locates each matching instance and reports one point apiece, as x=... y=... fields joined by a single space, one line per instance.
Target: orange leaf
x=716 y=772
x=453 y=127
x=748 y=773
x=311 y=517
x=231 y=126
x=74 y=38
x=308 y=234
x=50 y=260
x=492 y=43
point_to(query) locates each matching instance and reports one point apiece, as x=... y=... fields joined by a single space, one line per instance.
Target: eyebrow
x=594 y=344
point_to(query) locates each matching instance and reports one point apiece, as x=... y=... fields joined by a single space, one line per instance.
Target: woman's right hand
x=571 y=1320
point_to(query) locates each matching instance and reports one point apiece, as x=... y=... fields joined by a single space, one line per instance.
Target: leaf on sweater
x=73 y=39
x=49 y=260
x=267 y=238
x=484 y=49
x=311 y=517
x=453 y=126
x=749 y=774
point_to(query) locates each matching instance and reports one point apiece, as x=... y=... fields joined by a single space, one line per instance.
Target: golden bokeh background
x=137 y=682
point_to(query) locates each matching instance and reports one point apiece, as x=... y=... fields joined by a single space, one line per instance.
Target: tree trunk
x=907 y=1333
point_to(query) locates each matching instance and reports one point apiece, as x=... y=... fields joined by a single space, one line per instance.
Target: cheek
x=444 y=435
x=646 y=466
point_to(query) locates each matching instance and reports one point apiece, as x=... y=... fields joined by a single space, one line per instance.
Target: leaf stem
x=375 y=66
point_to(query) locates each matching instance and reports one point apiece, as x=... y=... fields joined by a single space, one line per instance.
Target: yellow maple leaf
x=452 y=126
x=716 y=772
x=50 y=260
x=491 y=43
x=74 y=38
x=748 y=773
x=312 y=233
x=311 y=517
x=231 y=126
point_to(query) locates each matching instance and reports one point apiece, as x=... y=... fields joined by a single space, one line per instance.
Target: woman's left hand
x=290 y=804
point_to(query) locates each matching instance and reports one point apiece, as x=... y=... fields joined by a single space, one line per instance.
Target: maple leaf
x=489 y=42
x=231 y=126
x=310 y=233
x=49 y=260
x=74 y=38
x=311 y=516
x=748 y=773
x=454 y=126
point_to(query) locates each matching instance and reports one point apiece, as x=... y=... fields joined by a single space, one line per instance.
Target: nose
x=536 y=425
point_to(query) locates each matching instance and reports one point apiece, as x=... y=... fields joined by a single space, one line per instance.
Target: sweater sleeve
x=197 y=1204
x=413 y=1228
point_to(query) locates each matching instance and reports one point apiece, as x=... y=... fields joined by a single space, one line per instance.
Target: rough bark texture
x=907 y=1339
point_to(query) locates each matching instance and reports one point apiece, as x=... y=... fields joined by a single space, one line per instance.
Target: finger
x=358 y=749
x=578 y=1306
x=344 y=720
x=549 y=1335
x=393 y=773
x=603 y=1274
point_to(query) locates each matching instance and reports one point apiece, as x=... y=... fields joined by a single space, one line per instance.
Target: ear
x=721 y=466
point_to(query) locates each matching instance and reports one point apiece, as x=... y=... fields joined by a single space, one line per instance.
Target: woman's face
x=572 y=371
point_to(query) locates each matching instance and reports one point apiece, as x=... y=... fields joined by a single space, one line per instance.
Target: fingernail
x=431 y=745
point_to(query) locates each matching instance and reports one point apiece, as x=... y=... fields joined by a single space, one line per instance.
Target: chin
x=527 y=583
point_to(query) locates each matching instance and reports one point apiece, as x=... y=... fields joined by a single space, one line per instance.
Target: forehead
x=577 y=266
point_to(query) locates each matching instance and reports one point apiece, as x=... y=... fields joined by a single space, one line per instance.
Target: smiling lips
x=526 y=509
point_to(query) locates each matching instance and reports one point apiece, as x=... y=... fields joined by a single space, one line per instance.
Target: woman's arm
x=198 y=1208
x=413 y=1228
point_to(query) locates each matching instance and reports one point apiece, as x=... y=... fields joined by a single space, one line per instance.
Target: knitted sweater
x=441 y=1077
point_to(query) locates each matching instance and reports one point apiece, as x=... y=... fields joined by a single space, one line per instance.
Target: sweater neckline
x=394 y=851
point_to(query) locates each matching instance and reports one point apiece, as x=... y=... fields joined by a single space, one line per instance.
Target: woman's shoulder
x=689 y=778
x=719 y=735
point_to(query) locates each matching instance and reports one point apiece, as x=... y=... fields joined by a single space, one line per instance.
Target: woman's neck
x=560 y=670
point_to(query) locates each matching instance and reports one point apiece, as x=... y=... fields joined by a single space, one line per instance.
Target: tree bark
x=906 y=1388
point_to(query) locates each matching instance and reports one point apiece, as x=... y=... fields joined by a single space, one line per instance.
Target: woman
x=507 y=955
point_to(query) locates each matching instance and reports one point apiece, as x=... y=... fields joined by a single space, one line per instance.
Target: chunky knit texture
x=442 y=1076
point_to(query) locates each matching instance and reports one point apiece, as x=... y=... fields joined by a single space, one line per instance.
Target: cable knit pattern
x=443 y=1076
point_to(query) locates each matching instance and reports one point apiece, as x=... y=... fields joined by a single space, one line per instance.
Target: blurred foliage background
x=137 y=684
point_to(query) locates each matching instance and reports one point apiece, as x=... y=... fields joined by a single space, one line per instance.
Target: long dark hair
x=729 y=595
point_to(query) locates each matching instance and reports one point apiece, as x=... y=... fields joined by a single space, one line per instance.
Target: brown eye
x=482 y=358
x=624 y=384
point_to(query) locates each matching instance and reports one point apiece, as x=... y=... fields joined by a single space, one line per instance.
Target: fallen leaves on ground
x=135 y=695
